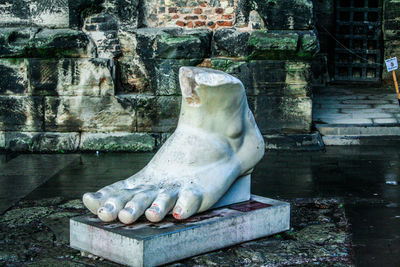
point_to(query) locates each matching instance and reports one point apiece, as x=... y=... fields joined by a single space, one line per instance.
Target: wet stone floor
x=345 y=207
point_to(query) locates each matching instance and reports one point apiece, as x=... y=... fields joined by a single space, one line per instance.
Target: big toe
x=93 y=201
x=161 y=206
x=188 y=203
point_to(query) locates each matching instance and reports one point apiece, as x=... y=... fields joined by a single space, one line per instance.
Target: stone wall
x=102 y=74
x=391 y=35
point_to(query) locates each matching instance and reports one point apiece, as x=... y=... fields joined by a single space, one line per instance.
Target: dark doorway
x=358 y=52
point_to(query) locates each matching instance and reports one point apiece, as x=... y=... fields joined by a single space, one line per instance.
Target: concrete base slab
x=149 y=244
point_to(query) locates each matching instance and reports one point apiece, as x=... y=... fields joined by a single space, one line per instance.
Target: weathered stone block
x=309 y=43
x=14 y=80
x=391 y=30
x=14 y=13
x=297 y=142
x=14 y=41
x=286 y=15
x=174 y=43
x=165 y=75
x=2 y=146
x=43 y=13
x=71 y=77
x=50 y=13
x=21 y=113
x=391 y=49
x=133 y=75
x=391 y=9
x=126 y=11
x=230 y=42
x=283 y=114
x=44 y=43
x=60 y=43
x=132 y=142
x=269 y=77
x=88 y=114
x=273 y=45
x=103 y=30
x=41 y=142
x=156 y=114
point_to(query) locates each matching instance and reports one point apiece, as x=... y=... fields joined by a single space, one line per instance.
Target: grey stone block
x=14 y=77
x=60 y=43
x=157 y=114
x=2 y=146
x=146 y=244
x=269 y=77
x=288 y=15
x=21 y=113
x=174 y=43
x=297 y=142
x=230 y=42
x=49 y=13
x=273 y=44
x=165 y=75
x=42 y=13
x=131 y=142
x=41 y=142
x=13 y=41
x=71 y=77
x=88 y=114
x=44 y=43
x=283 y=114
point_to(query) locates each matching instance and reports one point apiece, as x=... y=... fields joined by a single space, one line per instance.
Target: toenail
x=109 y=207
x=129 y=209
x=97 y=195
x=154 y=209
x=177 y=212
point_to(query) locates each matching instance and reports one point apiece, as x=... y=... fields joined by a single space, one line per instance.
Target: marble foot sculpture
x=216 y=142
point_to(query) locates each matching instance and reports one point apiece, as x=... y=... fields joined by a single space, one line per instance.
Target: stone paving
x=356 y=107
x=351 y=116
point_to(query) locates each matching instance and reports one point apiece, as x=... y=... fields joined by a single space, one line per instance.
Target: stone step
x=351 y=140
x=359 y=129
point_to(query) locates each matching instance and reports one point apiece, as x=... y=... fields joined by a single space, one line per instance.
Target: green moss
x=221 y=63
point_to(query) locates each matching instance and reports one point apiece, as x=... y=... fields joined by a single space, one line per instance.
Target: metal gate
x=358 y=29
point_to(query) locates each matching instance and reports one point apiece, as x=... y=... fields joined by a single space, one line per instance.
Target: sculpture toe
x=188 y=203
x=161 y=206
x=136 y=206
x=93 y=201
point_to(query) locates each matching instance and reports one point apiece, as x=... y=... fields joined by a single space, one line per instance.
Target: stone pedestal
x=148 y=244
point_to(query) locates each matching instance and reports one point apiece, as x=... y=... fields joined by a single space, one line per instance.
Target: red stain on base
x=176 y=216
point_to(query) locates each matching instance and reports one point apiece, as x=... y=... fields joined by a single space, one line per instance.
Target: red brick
x=180 y=23
x=199 y=23
x=203 y=17
x=219 y=10
x=202 y=4
x=176 y=16
x=224 y=23
x=172 y=10
x=189 y=24
x=198 y=11
x=227 y=17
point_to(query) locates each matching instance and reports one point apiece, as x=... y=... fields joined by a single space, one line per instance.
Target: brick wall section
x=194 y=14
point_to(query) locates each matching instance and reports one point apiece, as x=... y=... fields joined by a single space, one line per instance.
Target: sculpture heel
x=238 y=192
